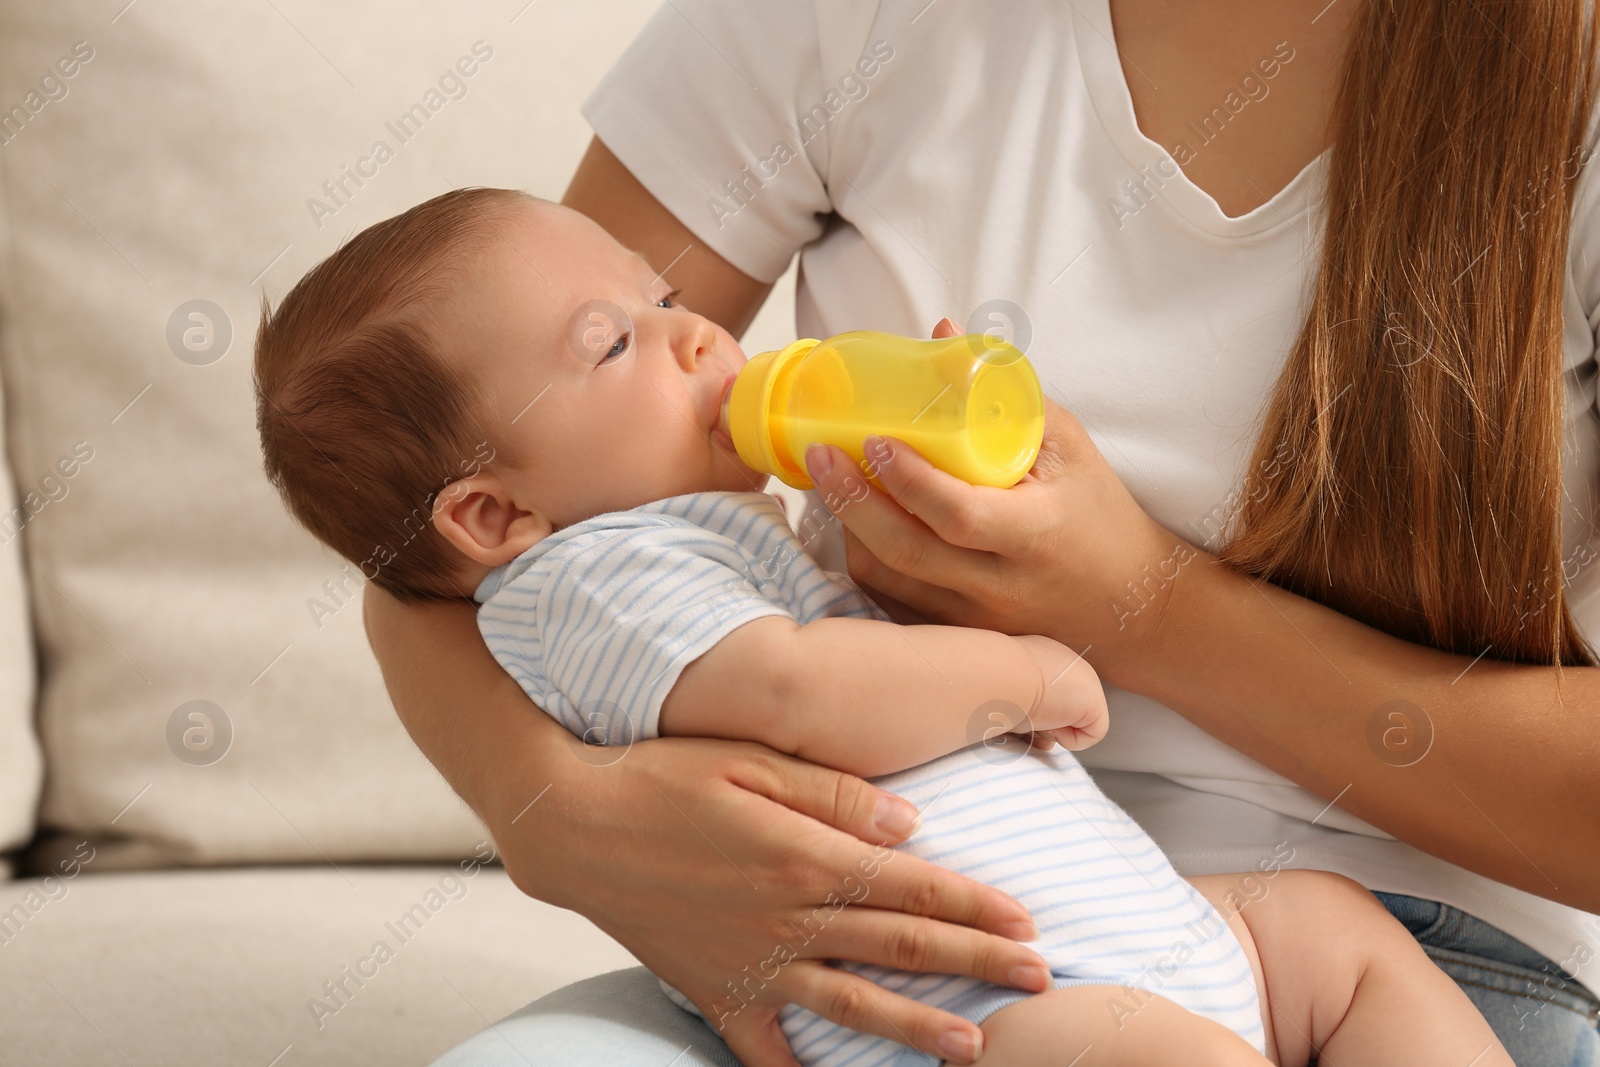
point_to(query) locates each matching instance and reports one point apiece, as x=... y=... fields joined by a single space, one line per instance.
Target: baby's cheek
x=660 y=457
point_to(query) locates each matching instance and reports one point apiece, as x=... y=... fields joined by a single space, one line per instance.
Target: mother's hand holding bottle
x=1049 y=555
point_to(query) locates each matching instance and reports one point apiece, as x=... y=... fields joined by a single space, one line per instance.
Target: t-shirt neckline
x=1108 y=91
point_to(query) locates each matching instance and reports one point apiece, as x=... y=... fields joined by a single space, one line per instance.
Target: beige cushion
x=20 y=763
x=181 y=165
x=224 y=966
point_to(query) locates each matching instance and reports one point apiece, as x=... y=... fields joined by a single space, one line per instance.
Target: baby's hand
x=1072 y=704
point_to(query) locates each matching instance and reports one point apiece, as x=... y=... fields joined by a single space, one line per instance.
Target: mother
x=1359 y=234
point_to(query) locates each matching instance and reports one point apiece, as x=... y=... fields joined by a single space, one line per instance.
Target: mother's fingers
x=907 y=883
x=754 y=1036
x=910 y=943
x=885 y=584
x=898 y=880
x=839 y=800
x=970 y=516
x=902 y=542
x=852 y=1001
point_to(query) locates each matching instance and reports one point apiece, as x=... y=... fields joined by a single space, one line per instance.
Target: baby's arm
x=871 y=697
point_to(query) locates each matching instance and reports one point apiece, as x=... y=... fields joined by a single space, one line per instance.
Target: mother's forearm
x=1506 y=786
x=470 y=718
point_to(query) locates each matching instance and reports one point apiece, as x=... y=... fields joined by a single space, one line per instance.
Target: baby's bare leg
x=1089 y=1026
x=1344 y=980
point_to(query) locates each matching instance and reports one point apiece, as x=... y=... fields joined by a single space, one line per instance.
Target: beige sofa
x=222 y=846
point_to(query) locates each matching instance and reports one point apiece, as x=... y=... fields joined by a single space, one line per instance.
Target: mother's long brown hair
x=1421 y=407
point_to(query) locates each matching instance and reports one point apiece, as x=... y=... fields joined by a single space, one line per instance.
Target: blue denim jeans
x=1541 y=1014
x=622 y=1019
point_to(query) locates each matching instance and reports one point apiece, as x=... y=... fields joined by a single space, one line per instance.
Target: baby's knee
x=1284 y=894
x=1331 y=896
x=1321 y=915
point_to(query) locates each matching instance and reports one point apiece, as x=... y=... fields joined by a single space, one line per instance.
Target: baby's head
x=459 y=381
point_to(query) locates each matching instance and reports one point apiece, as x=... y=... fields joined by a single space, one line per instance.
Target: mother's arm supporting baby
x=794 y=828
x=870 y=697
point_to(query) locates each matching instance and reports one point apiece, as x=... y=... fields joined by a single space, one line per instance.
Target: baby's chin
x=721 y=472
x=733 y=474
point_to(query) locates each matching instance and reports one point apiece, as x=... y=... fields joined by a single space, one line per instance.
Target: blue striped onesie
x=596 y=622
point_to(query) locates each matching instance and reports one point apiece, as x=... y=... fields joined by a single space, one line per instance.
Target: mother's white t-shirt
x=982 y=161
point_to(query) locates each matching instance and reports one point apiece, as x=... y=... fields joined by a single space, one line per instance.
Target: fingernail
x=1019 y=930
x=1029 y=976
x=962 y=1045
x=878 y=449
x=895 y=817
x=819 y=461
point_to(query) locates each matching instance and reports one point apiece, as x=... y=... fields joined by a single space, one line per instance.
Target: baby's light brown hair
x=361 y=422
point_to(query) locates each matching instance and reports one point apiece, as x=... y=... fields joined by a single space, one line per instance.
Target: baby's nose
x=697 y=343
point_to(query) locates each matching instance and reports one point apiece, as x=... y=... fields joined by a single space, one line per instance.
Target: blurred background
x=210 y=817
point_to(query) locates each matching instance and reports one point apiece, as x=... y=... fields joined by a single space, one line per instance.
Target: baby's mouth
x=720 y=436
x=720 y=433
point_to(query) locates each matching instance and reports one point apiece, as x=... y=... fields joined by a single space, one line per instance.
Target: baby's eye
x=670 y=300
x=617 y=348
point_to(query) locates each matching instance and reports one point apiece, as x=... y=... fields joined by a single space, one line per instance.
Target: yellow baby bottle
x=971 y=405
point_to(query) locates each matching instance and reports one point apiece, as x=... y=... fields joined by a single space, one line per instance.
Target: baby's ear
x=478 y=516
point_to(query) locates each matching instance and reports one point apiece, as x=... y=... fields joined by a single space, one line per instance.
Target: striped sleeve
x=622 y=612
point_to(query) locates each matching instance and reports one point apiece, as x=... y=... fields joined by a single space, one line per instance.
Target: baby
x=487 y=397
